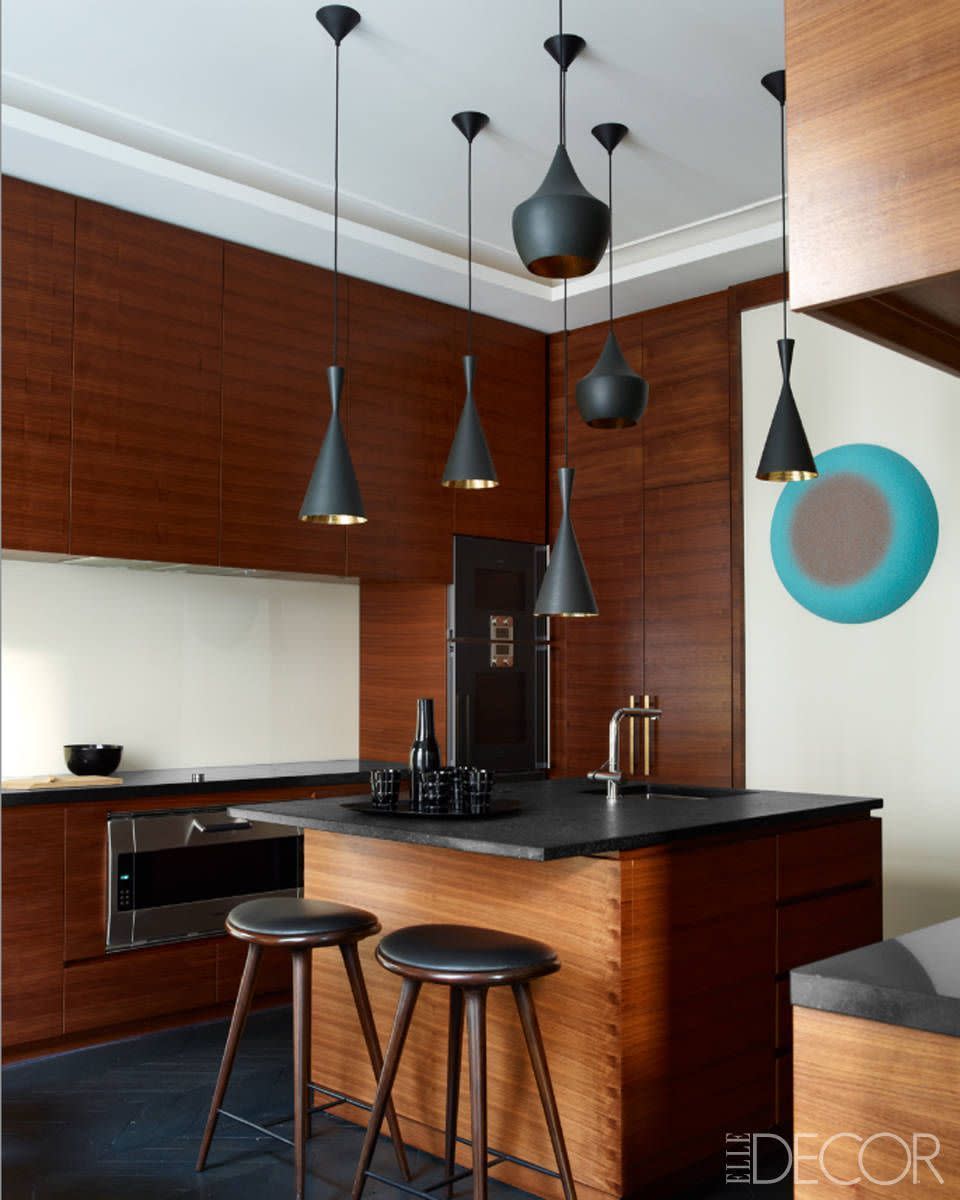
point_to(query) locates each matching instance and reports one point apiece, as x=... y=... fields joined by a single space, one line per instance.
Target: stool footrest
x=336 y=1099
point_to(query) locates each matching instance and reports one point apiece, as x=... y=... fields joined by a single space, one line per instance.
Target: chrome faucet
x=610 y=771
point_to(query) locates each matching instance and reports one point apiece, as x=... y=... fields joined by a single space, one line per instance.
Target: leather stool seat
x=461 y=954
x=305 y=922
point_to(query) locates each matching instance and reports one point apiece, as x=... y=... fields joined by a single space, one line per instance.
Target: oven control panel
x=124 y=882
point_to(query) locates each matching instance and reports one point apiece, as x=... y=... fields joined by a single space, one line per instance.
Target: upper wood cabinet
x=146 y=411
x=873 y=129
x=511 y=395
x=277 y=326
x=38 y=231
x=402 y=380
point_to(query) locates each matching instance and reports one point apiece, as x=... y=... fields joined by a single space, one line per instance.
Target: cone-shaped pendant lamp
x=469 y=464
x=786 y=454
x=561 y=230
x=333 y=494
x=565 y=590
x=613 y=395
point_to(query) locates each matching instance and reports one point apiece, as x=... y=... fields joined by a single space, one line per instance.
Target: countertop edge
x=898 y=1007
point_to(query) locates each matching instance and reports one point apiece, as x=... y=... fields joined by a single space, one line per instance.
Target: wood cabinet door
x=146 y=433
x=38 y=247
x=277 y=328
x=598 y=661
x=510 y=392
x=403 y=386
x=688 y=631
x=32 y=921
x=686 y=429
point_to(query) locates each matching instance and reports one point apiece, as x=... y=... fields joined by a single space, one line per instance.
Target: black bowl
x=92 y=759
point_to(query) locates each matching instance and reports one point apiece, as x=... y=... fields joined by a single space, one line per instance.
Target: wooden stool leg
x=477 y=1038
x=237 y=1022
x=351 y=961
x=301 y=1066
x=398 y=1036
x=538 y=1060
x=454 y=1054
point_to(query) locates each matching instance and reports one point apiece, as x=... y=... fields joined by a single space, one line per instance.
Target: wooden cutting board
x=59 y=781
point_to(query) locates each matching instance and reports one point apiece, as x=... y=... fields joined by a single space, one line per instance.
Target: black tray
x=495 y=810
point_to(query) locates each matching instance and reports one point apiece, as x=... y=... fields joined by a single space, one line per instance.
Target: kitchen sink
x=657 y=791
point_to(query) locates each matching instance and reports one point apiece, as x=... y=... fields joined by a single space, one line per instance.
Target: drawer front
x=139 y=984
x=815 y=929
x=819 y=860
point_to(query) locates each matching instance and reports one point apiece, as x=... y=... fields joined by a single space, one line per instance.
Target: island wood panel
x=146 y=416
x=403 y=387
x=686 y=429
x=828 y=925
x=575 y=904
x=698 y=1001
x=82 y=925
x=602 y=656
x=818 y=860
x=277 y=331
x=32 y=914
x=873 y=126
x=510 y=392
x=403 y=658
x=37 y=308
x=688 y=631
x=862 y=1078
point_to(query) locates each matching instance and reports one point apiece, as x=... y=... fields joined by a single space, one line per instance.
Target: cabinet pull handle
x=646 y=736
x=632 y=742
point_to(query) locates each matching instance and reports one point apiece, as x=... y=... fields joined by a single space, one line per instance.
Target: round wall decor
x=854 y=544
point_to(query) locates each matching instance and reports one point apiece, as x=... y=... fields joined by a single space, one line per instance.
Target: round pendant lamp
x=333 y=493
x=566 y=590
x=469 y=463
x=613 y=395
x=786 y=454
x=561 y=231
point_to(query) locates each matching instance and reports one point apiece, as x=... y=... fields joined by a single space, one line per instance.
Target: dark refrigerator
x=498 y=658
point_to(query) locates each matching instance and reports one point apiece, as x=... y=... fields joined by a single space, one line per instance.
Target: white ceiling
x=218 y=116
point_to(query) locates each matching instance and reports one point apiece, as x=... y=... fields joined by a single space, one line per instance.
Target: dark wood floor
x=124 y=1121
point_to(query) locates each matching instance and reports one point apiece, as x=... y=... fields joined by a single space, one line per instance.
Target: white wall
x=872 y=709
x=184 y=670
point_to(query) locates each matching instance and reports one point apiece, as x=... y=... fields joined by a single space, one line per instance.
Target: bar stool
x=469 y=961
x=299 y=926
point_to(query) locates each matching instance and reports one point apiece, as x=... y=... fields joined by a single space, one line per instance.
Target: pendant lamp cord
x=336 y=206
x=610 y=247
x=470 y=246
x=783 y=215
x=563 y=83
x=566 y=382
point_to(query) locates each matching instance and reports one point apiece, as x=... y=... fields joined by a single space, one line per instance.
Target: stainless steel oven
x=176 y=874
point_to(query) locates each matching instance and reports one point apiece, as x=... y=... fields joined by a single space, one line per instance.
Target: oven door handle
x=223 y=827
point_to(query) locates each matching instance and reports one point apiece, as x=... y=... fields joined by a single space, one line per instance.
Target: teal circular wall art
x=854 y=544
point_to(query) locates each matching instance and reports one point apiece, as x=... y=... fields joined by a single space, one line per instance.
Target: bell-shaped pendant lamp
x=469 y=464
x=566 y=590
x=333 y=494
x=561 y=231
x=786 y=453
x=613 y=395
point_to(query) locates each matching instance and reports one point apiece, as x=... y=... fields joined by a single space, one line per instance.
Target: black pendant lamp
x=565 y=590
x=561 y=230
x=333 y=494
x=469 y=464
x=786 y=454
x=613 y=395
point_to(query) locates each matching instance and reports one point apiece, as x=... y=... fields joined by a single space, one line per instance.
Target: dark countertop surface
x=564 y=818
x=913 y=980
x=177 y=782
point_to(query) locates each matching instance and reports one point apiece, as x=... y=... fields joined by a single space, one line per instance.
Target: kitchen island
x=676 y=916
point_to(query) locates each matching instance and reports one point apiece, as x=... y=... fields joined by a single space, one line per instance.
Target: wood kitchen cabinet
x=38 y=247
x=402 y=384
x=146 y=402
x=873 y=127
x=277 y=321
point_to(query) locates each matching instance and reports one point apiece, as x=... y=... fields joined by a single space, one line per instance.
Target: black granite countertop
x=564 y=818
x=913 y=980
x=177 y=782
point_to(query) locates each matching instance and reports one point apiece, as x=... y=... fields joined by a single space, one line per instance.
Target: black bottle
x=424 y=753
